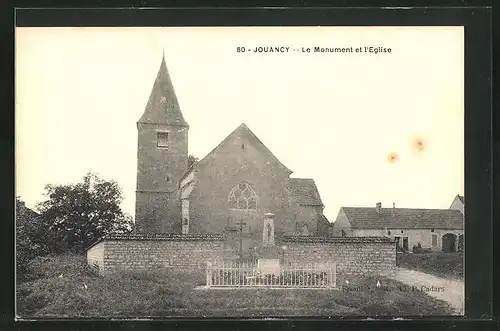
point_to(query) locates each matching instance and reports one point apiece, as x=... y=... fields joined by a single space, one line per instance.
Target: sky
x=368 y=128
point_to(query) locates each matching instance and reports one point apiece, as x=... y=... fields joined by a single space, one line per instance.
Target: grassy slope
x=81 y=293
x=440 y=264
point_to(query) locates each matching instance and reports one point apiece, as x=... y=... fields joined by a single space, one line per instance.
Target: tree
x=192 y=160
x=79 y=214
x=32 y=237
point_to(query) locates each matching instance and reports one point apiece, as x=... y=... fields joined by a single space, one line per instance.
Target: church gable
x=239 y=179
x=242 y=143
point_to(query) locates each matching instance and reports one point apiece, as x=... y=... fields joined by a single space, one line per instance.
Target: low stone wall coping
x=161 y=237
x=350 y=240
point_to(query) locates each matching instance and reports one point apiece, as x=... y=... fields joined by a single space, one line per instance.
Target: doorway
x=449 y=243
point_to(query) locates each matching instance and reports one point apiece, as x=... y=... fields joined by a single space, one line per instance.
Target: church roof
x=162 y=106
x=403 y=218
x=304 y=191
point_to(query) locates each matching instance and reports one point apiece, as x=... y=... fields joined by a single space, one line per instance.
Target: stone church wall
x=159 y=170
x=143 y=252
x=354 y=256
x=156 y=213
x=239 y=160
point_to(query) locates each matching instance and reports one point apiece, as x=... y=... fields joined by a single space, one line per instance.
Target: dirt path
x=449 y=290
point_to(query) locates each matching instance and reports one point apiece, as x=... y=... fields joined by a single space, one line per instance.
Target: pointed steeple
x=163 y=107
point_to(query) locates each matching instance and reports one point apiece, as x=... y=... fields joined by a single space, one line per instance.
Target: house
x=434 y=229
x=458 y=203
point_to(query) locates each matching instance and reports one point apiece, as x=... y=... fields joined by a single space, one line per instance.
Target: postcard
x=239 y=171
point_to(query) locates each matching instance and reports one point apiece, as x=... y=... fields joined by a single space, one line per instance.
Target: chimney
x=379 y=206
x=393 y=205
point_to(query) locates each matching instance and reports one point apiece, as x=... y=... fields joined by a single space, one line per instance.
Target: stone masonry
x=354 y=256
x=143 y=252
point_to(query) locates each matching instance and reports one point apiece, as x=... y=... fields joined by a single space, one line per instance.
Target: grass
x=449 y=265
x=64 y=286
x=361 y=297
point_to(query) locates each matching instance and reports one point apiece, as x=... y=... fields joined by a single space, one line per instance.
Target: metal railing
x=244 y=274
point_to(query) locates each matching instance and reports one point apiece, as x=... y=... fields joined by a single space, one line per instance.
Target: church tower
x=162 y=159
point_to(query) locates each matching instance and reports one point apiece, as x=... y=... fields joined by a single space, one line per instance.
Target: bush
x=417 y=249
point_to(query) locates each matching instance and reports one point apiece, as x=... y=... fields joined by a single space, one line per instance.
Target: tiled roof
x=403 y=218
x=304 y=191
x=163 y=107
x=312 y=239
x=322 y=218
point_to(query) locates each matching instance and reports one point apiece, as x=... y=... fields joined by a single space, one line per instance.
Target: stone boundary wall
x=146 y=252
x=354 y=256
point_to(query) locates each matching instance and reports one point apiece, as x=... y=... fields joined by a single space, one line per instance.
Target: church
x=237 y=204
x=229 y=191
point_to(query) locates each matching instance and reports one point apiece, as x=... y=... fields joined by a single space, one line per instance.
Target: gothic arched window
x=243 y=196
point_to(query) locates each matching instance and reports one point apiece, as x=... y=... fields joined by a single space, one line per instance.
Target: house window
x=405 y=243
x=343 y=233
x=162 y=139
x=434 y=240
x=243 y=196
